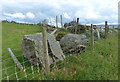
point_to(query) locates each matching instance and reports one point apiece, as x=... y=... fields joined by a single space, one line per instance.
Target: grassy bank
x=99 y=62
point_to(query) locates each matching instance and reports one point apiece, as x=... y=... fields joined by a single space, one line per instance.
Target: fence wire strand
x=30 y=70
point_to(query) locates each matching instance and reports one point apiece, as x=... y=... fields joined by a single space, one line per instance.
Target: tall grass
x=99 y=62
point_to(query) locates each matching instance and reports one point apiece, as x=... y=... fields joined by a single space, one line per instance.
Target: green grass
x=0 y=49
x=12 y=35
x=99 y=62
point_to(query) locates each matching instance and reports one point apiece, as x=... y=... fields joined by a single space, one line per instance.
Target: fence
x=11 y=70
x=15 y=73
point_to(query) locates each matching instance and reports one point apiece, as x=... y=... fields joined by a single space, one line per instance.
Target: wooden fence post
x=56 y=21
x=61 y=20
x=113 y=28
x=77 y=21
x=77 y=24
x=92 y=35
x=100 y=29
x=18 y=64
x=50 y=21
x=106 y=29
x=46 y=55
x=98 y=33
x=85 y=27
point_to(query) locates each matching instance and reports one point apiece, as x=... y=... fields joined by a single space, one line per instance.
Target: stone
x=33 y=49
x=55 y=47
x=73 y=43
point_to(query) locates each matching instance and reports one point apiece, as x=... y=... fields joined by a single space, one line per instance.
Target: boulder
x=73 y=43
x=33 y=49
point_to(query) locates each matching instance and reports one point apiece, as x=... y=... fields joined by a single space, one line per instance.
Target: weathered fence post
x=85 y=27
x=113 y=28
x=56 y=21
x=76 y=25
x=18 y=64
x=77 y=21
x=50 y=21
x=61 y=20
x=92 y=35
x=46 y=55
x=98 y=33
x=106 y=29
x=100 y=29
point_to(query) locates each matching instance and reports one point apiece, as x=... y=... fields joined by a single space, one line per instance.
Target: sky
x=34 y=11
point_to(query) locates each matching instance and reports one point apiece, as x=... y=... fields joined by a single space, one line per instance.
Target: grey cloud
x=43 y=10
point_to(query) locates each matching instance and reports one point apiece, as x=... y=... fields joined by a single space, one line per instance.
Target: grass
x=12 y=35
x=0 y=49
x=99 y=62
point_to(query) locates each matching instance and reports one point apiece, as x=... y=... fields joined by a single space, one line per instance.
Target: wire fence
x=10 y=71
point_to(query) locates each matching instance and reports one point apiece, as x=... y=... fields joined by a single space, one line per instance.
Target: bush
x=80 y=29
x=60 y=34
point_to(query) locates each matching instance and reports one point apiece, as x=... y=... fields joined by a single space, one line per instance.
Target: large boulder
x=73 y=43
x=33 y=49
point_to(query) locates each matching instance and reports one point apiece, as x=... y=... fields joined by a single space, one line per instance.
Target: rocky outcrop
x=73 y=43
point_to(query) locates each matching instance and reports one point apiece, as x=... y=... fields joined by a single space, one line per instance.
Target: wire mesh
x=11 y=72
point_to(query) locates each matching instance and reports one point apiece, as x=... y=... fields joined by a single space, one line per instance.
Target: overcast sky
x=33 y=11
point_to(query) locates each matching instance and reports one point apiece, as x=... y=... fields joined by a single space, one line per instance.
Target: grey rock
x=73 y=43
x=55 y=46
x=33 y=49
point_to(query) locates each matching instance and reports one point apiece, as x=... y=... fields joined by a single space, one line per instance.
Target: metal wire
x=27 y=68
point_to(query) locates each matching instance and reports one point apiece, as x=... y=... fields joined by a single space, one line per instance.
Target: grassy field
x=0 y=49
x=99 y=62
